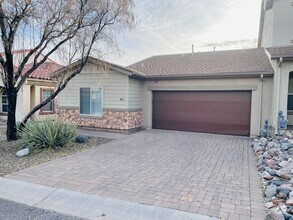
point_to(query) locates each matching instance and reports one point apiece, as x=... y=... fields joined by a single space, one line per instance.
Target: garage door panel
x=213 y=112
x=216 y=106
x=205 y=127
x=212 y=107
x=206 y=118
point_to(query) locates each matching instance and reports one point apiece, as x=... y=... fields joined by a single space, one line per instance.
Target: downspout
x=278 y=93
x=261 y=99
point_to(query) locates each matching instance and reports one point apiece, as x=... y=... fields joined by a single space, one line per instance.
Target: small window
x=4 y=102
x=91 y=101
x=290 y=92
x=49 y=107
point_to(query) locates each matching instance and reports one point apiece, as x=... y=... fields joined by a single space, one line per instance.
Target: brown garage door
x=220 y=112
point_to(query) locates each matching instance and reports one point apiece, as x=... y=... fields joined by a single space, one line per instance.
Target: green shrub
x=46 y=134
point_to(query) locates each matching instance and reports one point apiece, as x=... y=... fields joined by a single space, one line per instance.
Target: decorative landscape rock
x=286 y=146
x=290 y=210
x=289 y=135
x=283 y=175
x=279 y=182
x=285 y=191
x=261 y=168
x=271 y=144
x=290 y=151
x=289 y=202
x=81 y=139
x=275 y=166
x=257 y=147
x=278 y=201
x=287 y=216
x=260 y=161
x=271 y=171
x=272 y=164
x=271 y=190
x=274 y=152
x=23 y=152
x=266 y=175
x=266 y=155
x=269 y=205
x=281 y=195
x=275 y=215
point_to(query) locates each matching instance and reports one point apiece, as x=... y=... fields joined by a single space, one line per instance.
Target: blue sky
x=172 y=26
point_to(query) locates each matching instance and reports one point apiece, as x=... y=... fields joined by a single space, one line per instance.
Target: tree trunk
x=11 y=120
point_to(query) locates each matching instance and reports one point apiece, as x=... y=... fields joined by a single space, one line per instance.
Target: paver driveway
x=208 y=174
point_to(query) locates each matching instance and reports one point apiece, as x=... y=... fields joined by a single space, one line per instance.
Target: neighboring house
x=36 y=88
x=225 y=92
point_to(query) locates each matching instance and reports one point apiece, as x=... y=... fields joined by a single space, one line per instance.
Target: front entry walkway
x=212 y=175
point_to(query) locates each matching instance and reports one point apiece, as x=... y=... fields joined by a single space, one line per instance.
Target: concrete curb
x=86 y=205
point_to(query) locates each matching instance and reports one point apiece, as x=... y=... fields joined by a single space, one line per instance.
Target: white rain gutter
x=278 y=92
x=261 y=99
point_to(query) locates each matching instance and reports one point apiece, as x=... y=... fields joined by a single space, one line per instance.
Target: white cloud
x=166 y=27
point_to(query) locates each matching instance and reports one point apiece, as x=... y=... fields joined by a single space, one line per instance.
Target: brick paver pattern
x=207 y=174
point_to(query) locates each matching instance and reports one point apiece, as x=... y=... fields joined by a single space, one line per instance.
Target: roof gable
x=106 y=65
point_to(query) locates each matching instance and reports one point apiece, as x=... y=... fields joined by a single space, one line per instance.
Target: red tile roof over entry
x=43 y=71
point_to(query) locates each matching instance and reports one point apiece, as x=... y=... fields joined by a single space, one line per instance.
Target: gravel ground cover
x=9 y=163
x=275 y=166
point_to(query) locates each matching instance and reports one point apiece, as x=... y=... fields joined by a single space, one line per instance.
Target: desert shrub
x=46 y=134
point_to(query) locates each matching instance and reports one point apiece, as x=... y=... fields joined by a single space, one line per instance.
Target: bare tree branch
x=50 y=28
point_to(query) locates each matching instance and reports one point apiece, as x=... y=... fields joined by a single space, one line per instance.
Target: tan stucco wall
x=261 y=95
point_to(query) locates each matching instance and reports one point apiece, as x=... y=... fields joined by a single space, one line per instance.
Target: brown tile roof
x=206 y=63
x=277 y=52
x=43 y=71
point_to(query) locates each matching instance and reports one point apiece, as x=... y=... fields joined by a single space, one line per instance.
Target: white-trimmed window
x=91 y=101
x=4 y=102
x=290 y=93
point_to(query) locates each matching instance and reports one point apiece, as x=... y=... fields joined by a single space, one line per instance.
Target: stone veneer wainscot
x=111 y=119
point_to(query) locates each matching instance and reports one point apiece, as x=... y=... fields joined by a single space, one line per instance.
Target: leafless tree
x=76 y=28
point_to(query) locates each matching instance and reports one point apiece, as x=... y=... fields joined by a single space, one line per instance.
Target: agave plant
x=46 y=134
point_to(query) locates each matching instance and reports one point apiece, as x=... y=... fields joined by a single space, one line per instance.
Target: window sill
x=3 y=113
x=47 y=113
x=90 y=116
